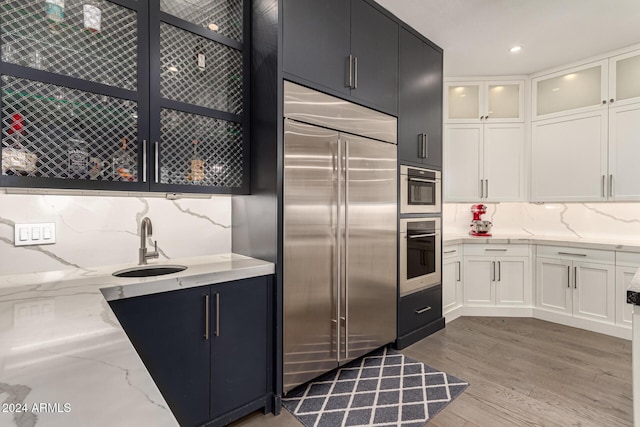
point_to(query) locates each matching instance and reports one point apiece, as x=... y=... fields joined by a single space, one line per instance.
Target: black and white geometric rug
x=384 y=388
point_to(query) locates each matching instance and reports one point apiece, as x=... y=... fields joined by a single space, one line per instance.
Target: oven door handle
x=434 y=181
x=417 y=236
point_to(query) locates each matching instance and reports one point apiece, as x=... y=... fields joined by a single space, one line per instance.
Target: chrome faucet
x=146 y=229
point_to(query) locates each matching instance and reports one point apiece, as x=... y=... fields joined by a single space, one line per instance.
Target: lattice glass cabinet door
x=198 y=128
x=74 y=114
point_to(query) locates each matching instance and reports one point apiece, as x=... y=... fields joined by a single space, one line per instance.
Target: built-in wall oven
x=420 y=190
x=420 y=254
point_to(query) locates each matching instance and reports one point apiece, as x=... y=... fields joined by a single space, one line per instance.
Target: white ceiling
x=476 y=35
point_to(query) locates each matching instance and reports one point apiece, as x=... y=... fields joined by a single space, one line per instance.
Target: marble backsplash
x=94 y=231
x=572 y=220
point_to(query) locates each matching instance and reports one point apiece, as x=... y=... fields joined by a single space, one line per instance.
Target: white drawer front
x=576 y=254
x=496 y=250
x=453 y=251
x=628 y=259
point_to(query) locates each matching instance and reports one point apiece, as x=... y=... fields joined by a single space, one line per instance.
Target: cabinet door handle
x=206 y=317
x=610 y=185
x=604 y=185
x=486 y=191
x=569 y=276
x=493 y=271
x=423 y=310
x=495 y=250
x=499 y=272
x=156 y=158
x=349 y=74
x=217 y=331
x=450 y=252
x=575 y=277
x=571 y=253
x=425 y=144
x=611 y=101
x=355 y=72
x=420 y=147
x=481 y=189
x=144 y=160
x=459 y=275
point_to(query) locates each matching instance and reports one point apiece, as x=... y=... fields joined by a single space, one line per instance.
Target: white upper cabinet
x=577 y=90
x=484 y=101
x=624 y=79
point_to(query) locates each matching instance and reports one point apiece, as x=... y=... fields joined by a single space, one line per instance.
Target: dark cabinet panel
x=218 y=373
x=374 y=44
x=316 y=41
x=420 y=102
x=347 y=47
x=239 y=350
x=418 y=309
x=167 y=330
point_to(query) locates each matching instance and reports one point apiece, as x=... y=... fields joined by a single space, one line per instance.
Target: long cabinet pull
x=422 y=310
x=217 y=331
x=206 y=317
x=569 y=276
x=349 y=72
x=459 y=275
x=493 y=271
x=486 y=184
x=495 y=250
x=610 y=185
x=604 y=185
x=425 y=143
x=144 y=160
x=481 y=189
x=571 y=253
x=450 y=252
x=355 y=72
x=575 y=277
x=156 y=158
x=499 y=272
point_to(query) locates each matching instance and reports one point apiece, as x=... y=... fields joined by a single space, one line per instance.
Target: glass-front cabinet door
x=74 y=110
x=577 y=90
x=197 y=89
x=624 y=79
x=482 y=102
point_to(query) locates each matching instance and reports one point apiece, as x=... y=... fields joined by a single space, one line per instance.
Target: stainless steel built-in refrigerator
x=340 y=228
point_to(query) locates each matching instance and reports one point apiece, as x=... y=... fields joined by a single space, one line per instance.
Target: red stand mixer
x=478 y=226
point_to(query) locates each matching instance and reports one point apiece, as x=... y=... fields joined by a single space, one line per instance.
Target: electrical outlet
x=34 y=234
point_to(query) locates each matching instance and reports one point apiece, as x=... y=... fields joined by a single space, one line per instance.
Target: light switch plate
x=35 y=234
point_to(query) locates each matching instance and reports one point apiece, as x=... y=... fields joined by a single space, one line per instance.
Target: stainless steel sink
x=149 y=270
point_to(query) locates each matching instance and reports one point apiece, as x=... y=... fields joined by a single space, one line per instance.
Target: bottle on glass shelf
x=92 y=16
x=196 y=172
x=54 y=11
x=77 y=159
x=201 y=58
x=124 y=165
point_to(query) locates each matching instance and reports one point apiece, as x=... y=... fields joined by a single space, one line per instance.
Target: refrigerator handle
x=338 y=251
x=346 y=249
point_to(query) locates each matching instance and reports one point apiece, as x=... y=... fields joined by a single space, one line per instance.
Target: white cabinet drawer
x=628 y=259
x=496 y=250
x=453 y=251
x=576 y=254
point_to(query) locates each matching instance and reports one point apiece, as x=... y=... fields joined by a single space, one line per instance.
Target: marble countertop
x=588 y=243
x=64 y=358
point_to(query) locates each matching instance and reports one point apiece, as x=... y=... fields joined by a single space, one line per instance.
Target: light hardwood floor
x=522 y=372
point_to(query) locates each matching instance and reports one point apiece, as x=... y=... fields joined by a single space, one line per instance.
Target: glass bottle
x=92 y=16
x=16 y=159
x=54 y=11
x=196 y=172
x=77 y=159
x=124 y=165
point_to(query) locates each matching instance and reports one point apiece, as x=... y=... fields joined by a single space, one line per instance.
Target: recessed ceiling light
x=515 y=49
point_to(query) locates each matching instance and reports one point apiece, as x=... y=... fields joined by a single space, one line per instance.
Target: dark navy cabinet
x=346 y=48
x=208 y=348
x=420 y=101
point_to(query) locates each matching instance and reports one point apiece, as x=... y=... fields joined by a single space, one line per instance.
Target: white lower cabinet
x=451 y=278
x=572 y=283
x=502 y=280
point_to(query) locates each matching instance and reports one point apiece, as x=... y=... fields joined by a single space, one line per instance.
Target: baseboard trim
x=415 y=336
x=589 y=325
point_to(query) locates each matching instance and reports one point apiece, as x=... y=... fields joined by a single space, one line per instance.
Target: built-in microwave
x=420 y=190
x=420 y=254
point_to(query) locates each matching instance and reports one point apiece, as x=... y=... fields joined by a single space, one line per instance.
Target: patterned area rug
x=384 y=388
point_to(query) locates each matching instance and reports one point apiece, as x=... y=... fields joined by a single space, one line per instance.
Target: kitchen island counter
x=64 y=358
